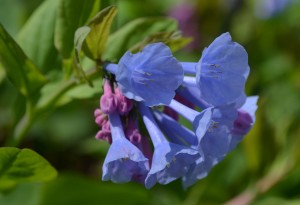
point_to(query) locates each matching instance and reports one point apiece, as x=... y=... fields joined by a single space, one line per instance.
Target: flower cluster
x=153 y=86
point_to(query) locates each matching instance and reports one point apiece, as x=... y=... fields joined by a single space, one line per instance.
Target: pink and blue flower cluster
x=144 y=97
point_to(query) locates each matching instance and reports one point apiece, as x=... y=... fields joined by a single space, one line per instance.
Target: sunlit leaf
x=23 y=165
x=21 y=71
x=100 y=25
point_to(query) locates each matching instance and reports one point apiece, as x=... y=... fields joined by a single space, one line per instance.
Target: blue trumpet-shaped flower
x=221 y=72
x=151 y=76
x=232 y=133
x=124 y=161
x=170 y=161
x=212 y=127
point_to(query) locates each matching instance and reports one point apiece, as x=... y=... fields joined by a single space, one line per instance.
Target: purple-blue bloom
x=170 y=161
x=124 y=161
x=151 y=76
x=221 y=138
x=221 y=72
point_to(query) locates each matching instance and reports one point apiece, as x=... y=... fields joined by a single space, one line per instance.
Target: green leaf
x=100 y=25
x=135 y=31
x=173 y=39
x=23 y=165
x=71 y=15
x=21 y=71
x=80 y=35
x=37 y=36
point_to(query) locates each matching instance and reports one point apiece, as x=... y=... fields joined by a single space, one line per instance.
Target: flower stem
x=32 y=112
x=183 y=110
x=154 y=132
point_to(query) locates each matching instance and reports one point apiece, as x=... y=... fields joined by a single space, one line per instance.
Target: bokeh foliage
x=49 y=110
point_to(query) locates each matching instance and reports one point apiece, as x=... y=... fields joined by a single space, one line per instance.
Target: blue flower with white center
x=221 y=72
x=124 y=161
x=151 y=76
x=170 y=161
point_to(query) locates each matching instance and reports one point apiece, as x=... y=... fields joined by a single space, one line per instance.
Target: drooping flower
x=124 y=161
x=234 y=133
x=151 y=76
x=221 y=72
x=170 y=161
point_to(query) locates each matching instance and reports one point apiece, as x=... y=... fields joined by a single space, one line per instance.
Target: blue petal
x=201 y=123
x=250 y=106
x=124 y=161
x=216 y=141
x=222 y=71
x=170 y=161
x=151 y=75
x=197 y=171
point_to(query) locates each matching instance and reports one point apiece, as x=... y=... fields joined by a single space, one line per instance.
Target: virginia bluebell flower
x=124 y=161
x=212 y=142
x=221 y=72
x=217 y=130
x=212 y=127
x=170 y=161
x=232 y=132
x=151 y=76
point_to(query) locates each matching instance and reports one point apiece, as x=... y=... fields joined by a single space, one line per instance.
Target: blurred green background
x=263 y=169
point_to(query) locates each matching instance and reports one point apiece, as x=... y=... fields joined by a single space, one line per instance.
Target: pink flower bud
x=104 y=135
x=124 y=104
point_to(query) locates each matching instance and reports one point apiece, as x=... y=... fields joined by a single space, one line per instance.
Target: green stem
x=26 y=122
x=22 y=127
